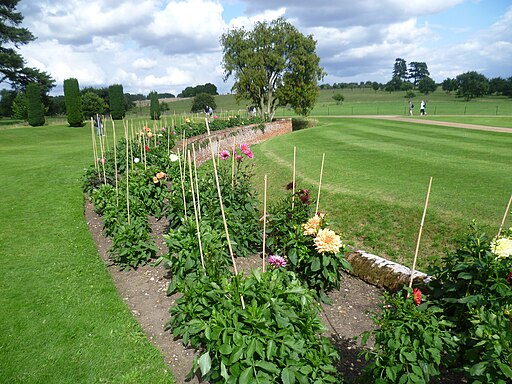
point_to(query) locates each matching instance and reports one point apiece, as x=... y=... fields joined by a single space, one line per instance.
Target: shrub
x=35 y=107
x=117 y=103
x=73 y=102
x=202 y=100
x=277 y=338
x=154 y=106
x=411 y=341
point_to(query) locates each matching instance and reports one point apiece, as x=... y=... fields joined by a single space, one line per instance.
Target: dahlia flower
x=327 y=241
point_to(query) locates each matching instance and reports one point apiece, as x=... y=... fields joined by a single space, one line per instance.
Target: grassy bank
x=376 y=175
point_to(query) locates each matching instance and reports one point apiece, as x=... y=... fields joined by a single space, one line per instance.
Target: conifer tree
x=35 y=107
x=73 y=102
x=116 y=96
x=154 y=106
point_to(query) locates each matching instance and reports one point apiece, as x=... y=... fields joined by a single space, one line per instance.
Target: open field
x=62 y=318
x=376 y=175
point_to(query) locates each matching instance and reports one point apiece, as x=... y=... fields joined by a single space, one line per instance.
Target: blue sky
x=167 y=45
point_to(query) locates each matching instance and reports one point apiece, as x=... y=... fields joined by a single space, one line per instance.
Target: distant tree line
x=208 y=88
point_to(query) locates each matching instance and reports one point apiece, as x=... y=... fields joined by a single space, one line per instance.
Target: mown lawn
x=61 y=317
x=376 y=175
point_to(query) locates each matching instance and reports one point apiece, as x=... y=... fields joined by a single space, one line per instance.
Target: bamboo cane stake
x=102 y=151
x=413 y=269
x=94 y=149
x=233 y=164
x=182 y=186
x=264 y=220
x=115 y=161
x=195 y=213
x=293 y=176
x=221 y=203
x=196 y=179
x=125 y=126
x=504 y=216
x=320 y=184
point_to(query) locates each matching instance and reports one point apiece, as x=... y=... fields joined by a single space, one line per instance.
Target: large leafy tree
x=400 y=69
x=272 y=65
x=12 y=64
x=472 y=84
x=427 y=85
x=417 y=71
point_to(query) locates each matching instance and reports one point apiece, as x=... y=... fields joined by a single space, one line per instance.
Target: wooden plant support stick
x=504 y=216
x=293 y=176
x=233 y=164
x=195 y=213
x=222 y=207
x=320 y=184
x=127 y=175
x=94 y=149
x=196 y=179
x=264 y=220
x=115 y=161
x=182 y=186
x=102 y=150
x=413 y=269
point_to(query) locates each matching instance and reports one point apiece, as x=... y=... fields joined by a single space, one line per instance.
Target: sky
x=166 y=46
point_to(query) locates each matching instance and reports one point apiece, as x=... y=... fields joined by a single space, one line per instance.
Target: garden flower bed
x=268 y=324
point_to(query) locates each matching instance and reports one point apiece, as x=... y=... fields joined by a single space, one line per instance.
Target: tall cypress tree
x=35 y=107
x=116 y=96
x=73 y=102
x=154 y=105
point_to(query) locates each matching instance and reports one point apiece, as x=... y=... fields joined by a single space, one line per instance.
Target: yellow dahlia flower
x=312 y=226
x=502 y=247
x=327 y=241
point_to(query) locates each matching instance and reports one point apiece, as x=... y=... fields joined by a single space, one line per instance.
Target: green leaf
x=506 y=370
x=205 y=363
x=316 y=265
x=225 y=349
x=223 y=371
x=287 y=376
x=478 y=369
x=267 y=366
x=391 y=373
x=246 y=376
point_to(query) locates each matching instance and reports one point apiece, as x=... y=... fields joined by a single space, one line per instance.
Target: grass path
x=61 y=317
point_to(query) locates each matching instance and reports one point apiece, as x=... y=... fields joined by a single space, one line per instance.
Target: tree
x=417 y=71
x=12 y=64
x=400 y=69
x=375 y=86
x=406 y=86
x=93 y=104
x=272 y=65
x=394 y=84
x=448 y=85
x=471 y=84
x=35 y=107
x=339 y=98
x=201 y=101
x=500 y=86
x=6 y=99
x=117 y=102
x=427 y=85
x=73 y=102
x=19 y=106
x=154 y=105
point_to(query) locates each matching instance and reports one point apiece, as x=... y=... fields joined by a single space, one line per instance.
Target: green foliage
x=410 y=342
x=35 y=108
x=154 y=108
x=471 y=84
x=117 y=102
x=6 y=102
x=93 y=104
x=339 y=98
x=201 y=101
x=426 y=85
x=209 y=88
x=474 y=286
x=277 y=338
x=418 y=70
x=400 y=69
x=73 y=102
x=132 y=245
x=19 y=106
x=184 y=257
x=272 y=65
